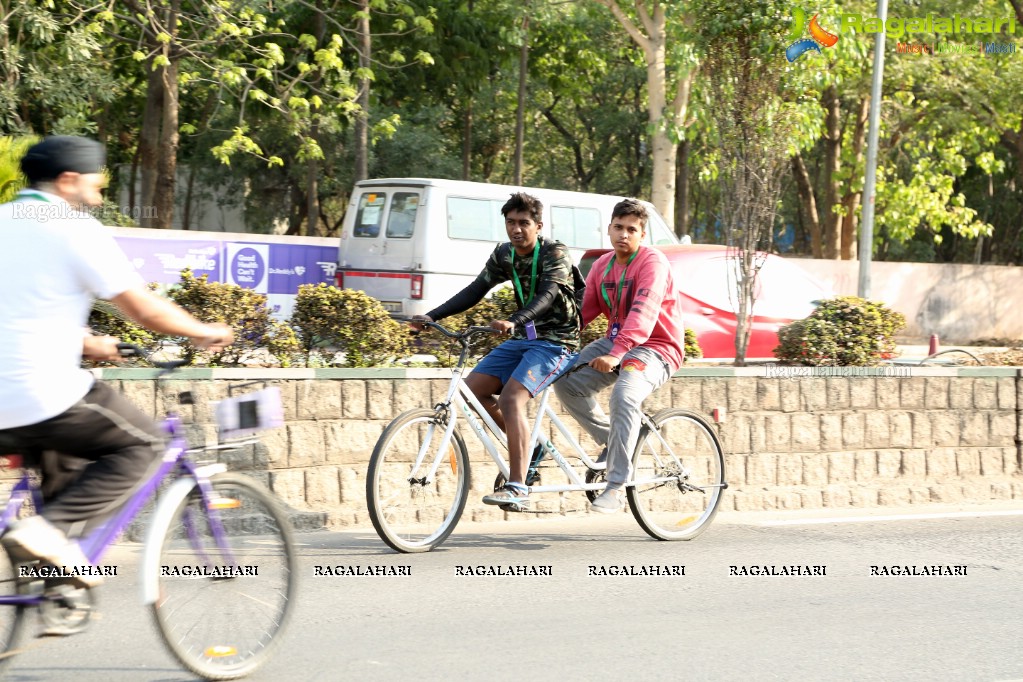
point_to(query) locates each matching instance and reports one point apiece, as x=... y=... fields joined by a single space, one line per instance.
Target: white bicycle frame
x=462 y=398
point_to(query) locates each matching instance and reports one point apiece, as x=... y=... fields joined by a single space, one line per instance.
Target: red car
x=707 y=279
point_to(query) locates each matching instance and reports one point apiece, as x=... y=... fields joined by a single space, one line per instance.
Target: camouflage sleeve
x=556 y=265
x=497 y=268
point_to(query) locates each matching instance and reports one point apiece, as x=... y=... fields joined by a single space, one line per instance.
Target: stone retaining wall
x=793 y=440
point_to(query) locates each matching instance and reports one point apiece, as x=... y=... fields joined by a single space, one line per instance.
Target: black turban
x=62 y=154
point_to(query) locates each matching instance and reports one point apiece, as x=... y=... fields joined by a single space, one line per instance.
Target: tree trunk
x=809 y=204
x=467 y=140
x=682 y=190
x=851 y=201
x=832 y=166
x=168 y=159
x=362 y=116
x=664 y=151
x=149 y=145
x=520 y=114
x=312 y=191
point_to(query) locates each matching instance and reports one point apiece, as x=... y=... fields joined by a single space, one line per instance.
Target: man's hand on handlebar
x=502 y=326
x=415 y=322
x=101 y=348
x=605 y=363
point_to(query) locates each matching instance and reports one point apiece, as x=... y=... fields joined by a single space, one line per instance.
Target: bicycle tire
x=681 y=508
x=12 y=618
x=203 y=619
x=409 y=513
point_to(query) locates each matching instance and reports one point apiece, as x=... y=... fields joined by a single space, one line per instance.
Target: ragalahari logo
x=818 y=36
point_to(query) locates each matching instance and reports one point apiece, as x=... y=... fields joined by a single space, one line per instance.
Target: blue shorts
x=534 y=364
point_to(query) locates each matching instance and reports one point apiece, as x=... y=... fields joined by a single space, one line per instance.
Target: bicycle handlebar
x=464 y=334
x=129 y=349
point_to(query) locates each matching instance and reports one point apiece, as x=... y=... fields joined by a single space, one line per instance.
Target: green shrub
x=11 y=151
x=845 y=330
x=328 y=320
x=105 y=319
x=245 y=311
x=692 y=346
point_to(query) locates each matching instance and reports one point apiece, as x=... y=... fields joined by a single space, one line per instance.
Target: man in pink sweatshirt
x=634 y=288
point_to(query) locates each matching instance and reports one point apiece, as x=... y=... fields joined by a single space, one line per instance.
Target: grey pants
x=637 y=380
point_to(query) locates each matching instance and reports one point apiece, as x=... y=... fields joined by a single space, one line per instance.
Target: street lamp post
x=866 y=249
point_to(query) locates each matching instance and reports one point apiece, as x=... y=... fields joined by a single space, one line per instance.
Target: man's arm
x=651 y=283
x=166 y=317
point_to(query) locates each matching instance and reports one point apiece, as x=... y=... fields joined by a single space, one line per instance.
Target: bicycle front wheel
x=12 y=616
x=679 y=474
x=412 y=509
x=227 y=578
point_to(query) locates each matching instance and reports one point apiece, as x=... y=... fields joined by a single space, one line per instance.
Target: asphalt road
x=707 y=624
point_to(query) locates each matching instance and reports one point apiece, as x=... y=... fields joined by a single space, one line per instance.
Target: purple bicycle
x=218 y=567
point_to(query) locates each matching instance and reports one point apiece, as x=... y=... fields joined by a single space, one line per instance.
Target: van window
x=401 y=220
x=658 y=232
x=367 y=219
x=577 y=227
x=476 y=219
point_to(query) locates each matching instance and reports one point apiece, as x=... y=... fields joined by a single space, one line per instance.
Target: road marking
x=892 y=517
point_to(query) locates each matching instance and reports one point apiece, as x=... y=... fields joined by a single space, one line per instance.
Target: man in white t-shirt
x=55 y=259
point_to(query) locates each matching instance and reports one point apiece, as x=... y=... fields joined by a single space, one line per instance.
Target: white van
x=412 y=243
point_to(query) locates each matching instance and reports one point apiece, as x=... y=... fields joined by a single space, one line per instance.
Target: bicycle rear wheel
x=227 y=578
x=411 y=510
x=12 y=617
x=683 y=463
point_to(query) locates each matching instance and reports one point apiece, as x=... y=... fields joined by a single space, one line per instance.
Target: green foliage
x=845 y=330
x=244 y=310
x=328 y=320
x=12 y=149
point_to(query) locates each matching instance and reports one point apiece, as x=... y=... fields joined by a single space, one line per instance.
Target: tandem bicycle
x=419 y=475
x=218 y=568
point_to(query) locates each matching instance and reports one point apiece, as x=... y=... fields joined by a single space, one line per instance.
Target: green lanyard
x=532 y=279
x=31 y=195
x=621 y=284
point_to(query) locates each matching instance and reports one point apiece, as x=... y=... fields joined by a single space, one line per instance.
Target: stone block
x=351 y=442
x=742 y=394
x=814 y=393
x=806 y=433
x=985 y=393
x=1003 y=428
x=714 y=394
x=911 y=393
x=893 y=497
x=889 y=464
x=889 y=392
x=991 y=462
x=353 y=399
x=687 y=393
x=815 y=468
x=976 y=492
x=973 y=429
x=409 y=394
x=1006 y=390
x=863 y=497
x=852 y=430
x=941 y=464
x=790 y=469
x=306 y=441
x=790 y=500
x=837 y=392
x=914 y=464
x=319 y=399
x=142 y=394
x=919 y=495
x=762 y=469
x=778 y=433
x=841 y=467
x=735 y=434
x=862 y=393
x=936 y=393
x=757 y=433
x=812 y=499
x=1001 y=491
x=322 y=487
x=960 y=394
x=866 y=466
x=289 y=486
x=922 y=437
x=748 y=501
x=967 y=461
x=831 y=432
x=789 y=394
x=945 y=428
x=876 y=429
x=769 y=394
x=655 y=402
x=900 y=429
x=946 y=493
x=277 y=444
x=380 y=399
x=836 y=496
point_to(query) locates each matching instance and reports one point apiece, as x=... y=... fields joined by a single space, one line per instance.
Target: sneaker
x=36 y=539
x=509 y=499
x=608 y=502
